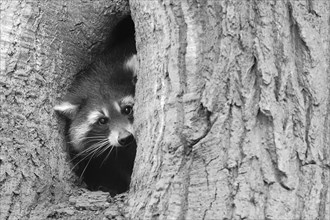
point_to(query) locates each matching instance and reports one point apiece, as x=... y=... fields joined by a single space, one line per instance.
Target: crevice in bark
x=324 y=192
x=234 y=188
x=211 y=203
x=266 y=197
x=308 y=123
x=302 y=58
x=271 y=149
x=258 y=80
x=204 y=117
x=311 y=8
x=301 y=201
x=279 y=58
x=326 y=150
x=298 y=42
x=15 y=196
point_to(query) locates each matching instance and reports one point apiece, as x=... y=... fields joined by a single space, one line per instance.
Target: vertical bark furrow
x=259 y=72
x=150 y=157
x=232 y=107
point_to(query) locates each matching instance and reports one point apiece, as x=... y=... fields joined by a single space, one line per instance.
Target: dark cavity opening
x=109 y=170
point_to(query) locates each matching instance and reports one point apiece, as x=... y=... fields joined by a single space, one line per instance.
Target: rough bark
x=232 y=110
x=43 y=44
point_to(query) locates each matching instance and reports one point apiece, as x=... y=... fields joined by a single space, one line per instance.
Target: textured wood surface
x=43 y=44
x=232 y=110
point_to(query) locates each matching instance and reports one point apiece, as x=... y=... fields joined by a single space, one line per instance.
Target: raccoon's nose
x=125 y=138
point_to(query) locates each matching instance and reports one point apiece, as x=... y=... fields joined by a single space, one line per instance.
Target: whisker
x=82 y=159
x=95 y=150
x=108 y=146
x=92 y=150
x=104 y=148
x=95 y=136
x=112 y=147
x=101 y=145
x=79 y=154
x=91 y=140
x=88 y=150
x=86 y=167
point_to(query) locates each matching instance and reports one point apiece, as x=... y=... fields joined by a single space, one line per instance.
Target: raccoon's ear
x=67 y=109
x=132 y=64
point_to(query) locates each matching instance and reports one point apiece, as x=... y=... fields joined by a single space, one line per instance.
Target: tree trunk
x=43 y=44
x=232 y=108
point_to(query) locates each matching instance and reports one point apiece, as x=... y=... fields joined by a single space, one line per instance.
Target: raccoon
x=99 y=111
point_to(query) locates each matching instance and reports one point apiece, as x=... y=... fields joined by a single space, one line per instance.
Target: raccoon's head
x=101 y=114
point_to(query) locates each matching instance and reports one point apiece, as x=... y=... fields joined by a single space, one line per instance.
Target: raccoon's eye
x=102 y=121
x=127 y=110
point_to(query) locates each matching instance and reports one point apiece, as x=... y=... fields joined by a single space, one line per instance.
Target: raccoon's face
x=98 y=125
x=100 y=108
